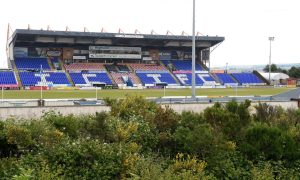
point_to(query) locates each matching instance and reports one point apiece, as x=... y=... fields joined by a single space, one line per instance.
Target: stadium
x=113 y=60
x=84 y=59
x=75 y=65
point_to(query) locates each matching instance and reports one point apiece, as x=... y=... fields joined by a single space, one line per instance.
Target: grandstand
x=66 y=58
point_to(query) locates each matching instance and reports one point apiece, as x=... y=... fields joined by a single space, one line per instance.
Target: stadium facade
x=64 y=58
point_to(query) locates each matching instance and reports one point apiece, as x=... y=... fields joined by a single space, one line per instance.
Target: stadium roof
x=44 y=38
x=274 y=76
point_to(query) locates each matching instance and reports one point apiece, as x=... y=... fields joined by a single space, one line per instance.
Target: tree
x=269 y=142
x=274 y=68
x=294 y=72
x=198 y=140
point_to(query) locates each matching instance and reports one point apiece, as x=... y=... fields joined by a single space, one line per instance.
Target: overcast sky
x=245 y=24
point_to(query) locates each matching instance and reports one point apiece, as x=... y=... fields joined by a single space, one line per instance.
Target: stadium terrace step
x=201 y=79
x=88 y=79
x=147 y=67
x=247 y=78
x=151 y=79
x=32 y=63
x=8 y=79
x=44 y=79
x=185 y=65
x=119 y=78
x=85 y=66
x=226 y=79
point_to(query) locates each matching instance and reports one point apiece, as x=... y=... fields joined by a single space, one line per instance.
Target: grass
x=116 y=93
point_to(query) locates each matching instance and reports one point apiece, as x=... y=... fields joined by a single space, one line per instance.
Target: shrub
x=133 y=106
x=67 y=124
x=198 y=140
x=269 y=142
x=87 y=159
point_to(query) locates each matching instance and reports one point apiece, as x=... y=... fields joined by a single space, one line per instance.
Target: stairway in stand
x=66 y=72
x=173 y=76
x=50 y=64
x=17 y=75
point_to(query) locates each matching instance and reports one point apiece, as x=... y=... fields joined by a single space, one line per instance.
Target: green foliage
x=225 y=164
x=8 y=167
x=263 y=171
x=274 y=68
x=90 y=159
x=294 y=72
x=19 y=136
x=96 y=127
x=268 y=114
x=138 y=139
x=181 y=167
x=198 y=140
x=269 y=142
x=67 y=124
x=230 y=119
x=165 y=119
x=133 y=106
x=165 y=122
x=293 y=116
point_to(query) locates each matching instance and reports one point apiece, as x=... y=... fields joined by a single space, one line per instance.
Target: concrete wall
x=36 y=112
x=200 y=107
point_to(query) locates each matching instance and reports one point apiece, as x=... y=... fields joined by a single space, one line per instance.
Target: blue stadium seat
x=32 y=63
x=201 y=79
x=7 y=78
x=90 y=78
x=225 y=78
x=154 y=78
x=48 y=78
x=247 y=78
x=185 y=65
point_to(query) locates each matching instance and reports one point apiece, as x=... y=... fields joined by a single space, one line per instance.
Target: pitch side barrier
x=160 y=100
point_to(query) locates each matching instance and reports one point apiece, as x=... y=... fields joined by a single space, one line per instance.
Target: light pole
x=41 y=74
x=96 y=93
x=193 y=56
x=226 y=67
x=270 y=39
x=2 y=93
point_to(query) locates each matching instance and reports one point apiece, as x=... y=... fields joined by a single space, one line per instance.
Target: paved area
x=295 y=94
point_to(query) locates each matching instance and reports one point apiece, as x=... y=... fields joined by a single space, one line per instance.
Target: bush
x=133 y=106
x=269 y=142
x=87 y=159
x=67 y=124
x=198 y=141
x=141 y=140
x=9 y=167
x=230 y=120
